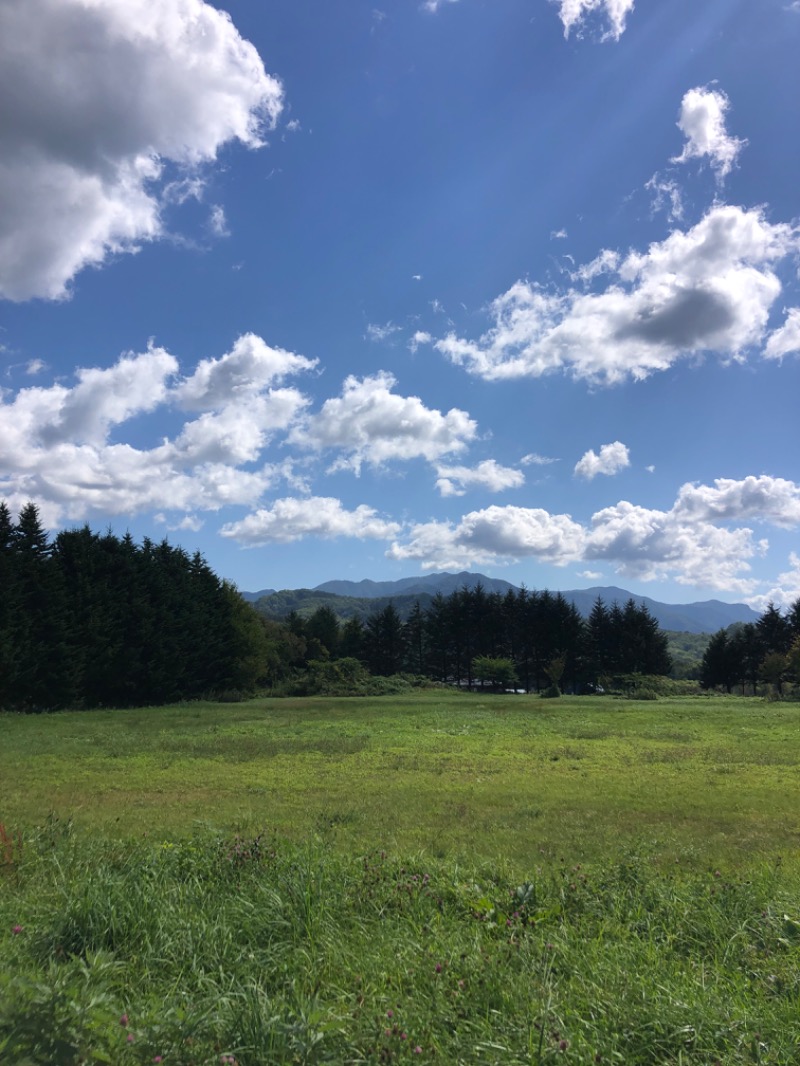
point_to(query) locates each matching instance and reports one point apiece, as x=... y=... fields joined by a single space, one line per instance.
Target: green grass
x=272 y=952
x=438 y=878
x=448 y=773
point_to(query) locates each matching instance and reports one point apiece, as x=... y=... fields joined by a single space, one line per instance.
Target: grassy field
x=441 y=878
x=448 y=773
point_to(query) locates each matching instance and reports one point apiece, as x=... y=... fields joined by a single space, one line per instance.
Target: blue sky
x=353 y=290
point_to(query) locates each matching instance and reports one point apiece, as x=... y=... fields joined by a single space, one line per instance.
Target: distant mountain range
x=360 y=598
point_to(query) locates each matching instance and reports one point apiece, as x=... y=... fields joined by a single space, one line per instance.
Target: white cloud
x=536 y=460
x=381 y=333
x=696 y=542
x=105 y=92
x=612 y=458
x=370 y=423
x=702 y=122
x=60 y=444
x=709 y=288
x=762 y=499
x=667 y=194
x=292 y=519
x=250 y=364
x=783 y=594
x=573 y=13
x=650 y=544
x=490 y=475
x=218 y=222
x=434 y=5
x=420 y=337
x=786 y=340
x=590 y=575
x=492 y=535
x=189 y=522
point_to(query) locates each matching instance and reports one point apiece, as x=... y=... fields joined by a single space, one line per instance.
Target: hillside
x=362 y=598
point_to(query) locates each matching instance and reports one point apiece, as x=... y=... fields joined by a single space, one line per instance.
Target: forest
x=96 y=620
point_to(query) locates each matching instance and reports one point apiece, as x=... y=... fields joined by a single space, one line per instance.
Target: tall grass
x=259 y=950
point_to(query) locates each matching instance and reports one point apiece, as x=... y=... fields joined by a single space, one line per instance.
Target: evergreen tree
x=384 y=650
x=414 y=640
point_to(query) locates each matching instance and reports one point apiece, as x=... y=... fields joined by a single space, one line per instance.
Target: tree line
x=532 y=639
x=95 y=620
x=744 y=655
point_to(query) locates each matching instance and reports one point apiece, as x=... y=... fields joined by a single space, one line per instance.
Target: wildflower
x=158 y=1058
x=404 y=1036
x=390 y=1014
x=131 y=1038
x=417 y=1050
x=563 y=1045
x=17 y=930
x=438 y=967
x=387 y=1032
x=123 y=1021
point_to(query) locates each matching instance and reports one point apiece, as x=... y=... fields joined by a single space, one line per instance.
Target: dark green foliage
x=747 y=654
x=93 y=621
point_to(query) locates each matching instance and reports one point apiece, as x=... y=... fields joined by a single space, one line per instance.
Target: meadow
x=431 y=877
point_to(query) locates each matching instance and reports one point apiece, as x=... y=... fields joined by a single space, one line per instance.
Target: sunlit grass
x=448 y=773
x=441 y=878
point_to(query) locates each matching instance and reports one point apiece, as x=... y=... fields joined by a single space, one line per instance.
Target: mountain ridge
x=704 y=616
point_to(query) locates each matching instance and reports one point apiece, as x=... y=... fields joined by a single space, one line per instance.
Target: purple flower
x=417 y=1050
x=17 y=930
x=390 y=1014
x=438 y=967
x=123 y=1021
x=131 y=1038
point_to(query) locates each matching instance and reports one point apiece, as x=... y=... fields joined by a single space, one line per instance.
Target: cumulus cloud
x=574 y=14
x=696 y=542
x=786 y=339
x=762 y=499
x=709 y=288
x=292 y=519
x=786 y=592
x=420 y=337
x=250 y=364
x=369 y=423
x=492 y=535
x=648 y=544
x=490 y=475
x=702 y=122
x=61 y=444
x=99 y=95
x=612 y=458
